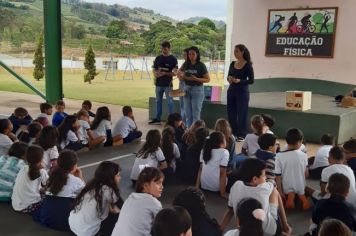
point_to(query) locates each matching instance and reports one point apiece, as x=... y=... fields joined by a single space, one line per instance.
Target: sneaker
x=154 y=122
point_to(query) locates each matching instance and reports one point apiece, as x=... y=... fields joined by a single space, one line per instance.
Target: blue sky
x=178 y=9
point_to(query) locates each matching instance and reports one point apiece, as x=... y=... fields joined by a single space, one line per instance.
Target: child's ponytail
x=250 y=214
x=66 y=161
x=214 y=141
x=258 y=123
x=34 y=158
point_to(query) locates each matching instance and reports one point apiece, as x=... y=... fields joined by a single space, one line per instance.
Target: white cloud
x=179 y=9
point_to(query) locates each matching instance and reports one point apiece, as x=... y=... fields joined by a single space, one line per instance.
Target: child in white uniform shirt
x=64 y=183
x=85 y=134
x=291 y=170
x=27 y=196
x=46 y=111
x=337 y=160
x=149 y=155
x=68 y=137
x=250 y=218
x=126 y=127
x=101 y=126
x=5 y=134
x=250 y=145
x=321 y=157
x=141 y=207
x=213 y=164
x=96 y=200
x=252 y=184
x=48 y=140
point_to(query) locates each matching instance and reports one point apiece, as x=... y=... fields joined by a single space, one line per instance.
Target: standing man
x=163 y=67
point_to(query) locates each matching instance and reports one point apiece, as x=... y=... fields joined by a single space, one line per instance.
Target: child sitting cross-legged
x=126 y=127
x=336 y=206
x=320 y=161
x=291 y=170
x=252 y=184
x=336 y=160
x=213 y=164
x=250 y=145
x=68 y=134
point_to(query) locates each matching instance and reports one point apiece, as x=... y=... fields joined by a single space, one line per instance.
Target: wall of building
x=247 y=24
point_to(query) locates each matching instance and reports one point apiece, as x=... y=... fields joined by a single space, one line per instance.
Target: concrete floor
x=13 y=223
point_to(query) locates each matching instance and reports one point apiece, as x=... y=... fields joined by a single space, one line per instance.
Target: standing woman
x=180 y=76
x=195 y=75
x=239 y=77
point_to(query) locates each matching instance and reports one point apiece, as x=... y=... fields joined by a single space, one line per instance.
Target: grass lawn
x=122 y=92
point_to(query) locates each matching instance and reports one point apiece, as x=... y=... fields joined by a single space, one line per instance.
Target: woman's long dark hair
x=193 y=200
x=48 y=137
x=34 y=156
x=249 y=225
x=214 y=141
x=196 y=50
x=153 y=142
x=104 y=176
x=66 y=161
x=245 y=51
x=168 y=144
x=102 y=113
x=65 y=126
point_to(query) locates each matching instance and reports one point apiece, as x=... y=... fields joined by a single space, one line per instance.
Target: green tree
x=207 y=23
x=89 y=64
x=117 y=29
x=38 y=60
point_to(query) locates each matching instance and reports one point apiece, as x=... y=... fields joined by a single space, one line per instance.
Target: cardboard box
x=298 y=100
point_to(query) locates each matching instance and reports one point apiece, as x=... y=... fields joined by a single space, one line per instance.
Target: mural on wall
x=301 y=32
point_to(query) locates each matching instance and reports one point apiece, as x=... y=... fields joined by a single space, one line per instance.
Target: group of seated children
x=50 y=187
x=75 y=131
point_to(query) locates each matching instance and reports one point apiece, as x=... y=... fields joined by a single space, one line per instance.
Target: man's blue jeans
x=193 y=102
x=159 y=96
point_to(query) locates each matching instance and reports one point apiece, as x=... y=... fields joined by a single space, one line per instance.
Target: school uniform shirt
x=26 y=191
x=321 y=157
x=57 y=118
x=85 y=221
x=210 y=174
x=165 y=64
x=82 y=131
x=291 y=165
x=268 y=158
x=302 y=148
x=152 y=160
x=136 y=215
x=345 y=170
x=72 y=188
x=103 y=126
x=251 y=144
x=176 y=155
x=49 y=155
x=260 y=193
x=71 y=138
x=198 y=70
x=9 y=168
x=5 y=144
x=43 y=119
x=123 y=127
